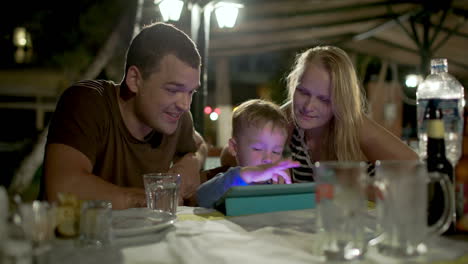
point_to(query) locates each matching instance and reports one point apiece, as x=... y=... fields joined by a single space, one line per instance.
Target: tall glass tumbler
x=341 y=208
x=162 y=191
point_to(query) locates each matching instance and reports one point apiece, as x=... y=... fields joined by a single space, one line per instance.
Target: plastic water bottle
x=449 y=97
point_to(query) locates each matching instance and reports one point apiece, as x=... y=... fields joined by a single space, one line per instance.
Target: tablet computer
x=263 y=198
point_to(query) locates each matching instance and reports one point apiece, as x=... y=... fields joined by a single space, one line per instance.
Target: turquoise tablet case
x=254 y=199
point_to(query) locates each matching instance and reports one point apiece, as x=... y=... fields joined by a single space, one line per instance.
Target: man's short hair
x=257 y=113
x=157 y=40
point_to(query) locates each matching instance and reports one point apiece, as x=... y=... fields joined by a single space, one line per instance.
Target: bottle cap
x=439 y=65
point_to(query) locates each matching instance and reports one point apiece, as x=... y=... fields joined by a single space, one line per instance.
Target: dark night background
x=67 y=35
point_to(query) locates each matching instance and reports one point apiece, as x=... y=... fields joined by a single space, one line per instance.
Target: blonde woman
x=327 y=118
x=326 y=115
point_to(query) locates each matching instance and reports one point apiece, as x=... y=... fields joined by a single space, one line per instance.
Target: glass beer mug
x=402 y=207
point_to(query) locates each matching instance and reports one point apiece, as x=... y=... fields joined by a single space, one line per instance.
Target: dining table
x=201 y=235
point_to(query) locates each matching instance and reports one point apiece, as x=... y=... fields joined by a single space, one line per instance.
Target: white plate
x=136 y=221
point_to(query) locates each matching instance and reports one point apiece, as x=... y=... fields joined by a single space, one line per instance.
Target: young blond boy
x=259 y=133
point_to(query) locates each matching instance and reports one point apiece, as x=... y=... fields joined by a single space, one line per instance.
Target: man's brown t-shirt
x=88 y=119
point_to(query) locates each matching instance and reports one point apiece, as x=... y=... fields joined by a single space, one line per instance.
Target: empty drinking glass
x=342 y=207
x=162 y=191
x=38 y=220
x=402 y=203
x=96 y=223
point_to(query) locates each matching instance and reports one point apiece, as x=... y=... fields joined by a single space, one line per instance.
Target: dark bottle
x=461 y=183
x=437 y=162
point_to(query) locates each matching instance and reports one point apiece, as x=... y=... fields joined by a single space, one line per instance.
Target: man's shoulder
x=90 y=94
x=98 y=87
x=82 y=118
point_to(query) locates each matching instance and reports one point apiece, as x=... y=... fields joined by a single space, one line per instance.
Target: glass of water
x=162 y=191
x=342 y=209
x=96 y=224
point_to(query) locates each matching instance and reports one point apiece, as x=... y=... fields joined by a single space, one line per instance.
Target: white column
x=223 y=101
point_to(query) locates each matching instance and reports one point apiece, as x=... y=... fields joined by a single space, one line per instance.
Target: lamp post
x=226 y=16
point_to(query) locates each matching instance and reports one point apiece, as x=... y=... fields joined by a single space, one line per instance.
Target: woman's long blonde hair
x=347 y=100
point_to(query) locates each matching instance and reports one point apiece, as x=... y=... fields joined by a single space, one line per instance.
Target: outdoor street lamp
x=22 y=41
x=170 y=9
x=226 y=15
x=226 y=12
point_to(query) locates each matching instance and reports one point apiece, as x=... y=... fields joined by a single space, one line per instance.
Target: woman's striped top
x=298 y=150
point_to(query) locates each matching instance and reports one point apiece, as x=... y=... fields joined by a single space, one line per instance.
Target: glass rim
x=37 y=205
x=396 y=162
x=98 y=203
x=161 y=174
x=340 y=164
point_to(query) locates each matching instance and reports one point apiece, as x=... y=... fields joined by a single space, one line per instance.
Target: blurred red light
x=207 y=110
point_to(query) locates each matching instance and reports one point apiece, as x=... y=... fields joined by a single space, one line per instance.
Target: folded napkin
x=220 y=242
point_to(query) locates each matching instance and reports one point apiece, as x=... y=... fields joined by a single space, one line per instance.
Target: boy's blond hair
x=257 y=113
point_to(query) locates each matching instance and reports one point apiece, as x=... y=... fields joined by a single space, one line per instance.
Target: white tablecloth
x=206 y=236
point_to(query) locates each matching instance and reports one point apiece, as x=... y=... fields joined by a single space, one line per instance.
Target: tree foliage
x=65 y=34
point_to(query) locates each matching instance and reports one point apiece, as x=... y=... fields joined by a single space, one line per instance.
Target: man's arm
x=189 y=167
x=227 y=159
x=202 y=148
x=68 y=170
